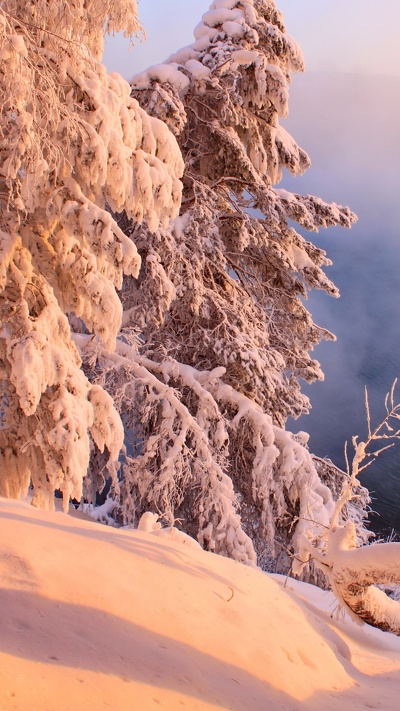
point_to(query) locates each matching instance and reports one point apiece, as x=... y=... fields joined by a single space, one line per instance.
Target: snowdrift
x=98 y=618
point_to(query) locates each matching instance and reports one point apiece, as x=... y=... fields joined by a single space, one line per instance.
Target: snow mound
x=101 y=618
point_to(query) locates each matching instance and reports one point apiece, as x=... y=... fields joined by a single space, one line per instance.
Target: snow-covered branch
x=206 y=454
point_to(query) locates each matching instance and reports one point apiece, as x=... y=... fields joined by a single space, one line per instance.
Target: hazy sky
x=335 y=35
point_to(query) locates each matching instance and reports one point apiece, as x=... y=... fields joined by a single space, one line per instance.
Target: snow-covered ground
x=95 y=618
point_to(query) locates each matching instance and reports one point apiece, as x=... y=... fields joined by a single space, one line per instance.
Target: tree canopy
x=73 y=142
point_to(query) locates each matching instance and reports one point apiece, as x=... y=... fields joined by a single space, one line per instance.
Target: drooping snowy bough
x=73 y=142
x=216 y=335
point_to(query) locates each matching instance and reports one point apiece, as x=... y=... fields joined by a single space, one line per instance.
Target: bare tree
x=355 y=573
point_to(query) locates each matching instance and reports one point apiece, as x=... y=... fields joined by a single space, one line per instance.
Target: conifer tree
x=216 y=335
x=72 y=143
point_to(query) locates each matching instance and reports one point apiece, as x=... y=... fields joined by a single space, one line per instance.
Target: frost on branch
x=357 y=573
x=73 y=143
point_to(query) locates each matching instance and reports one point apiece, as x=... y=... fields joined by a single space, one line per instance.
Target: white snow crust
x=94 y=617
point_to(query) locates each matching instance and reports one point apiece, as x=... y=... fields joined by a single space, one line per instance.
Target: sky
x=335 y=35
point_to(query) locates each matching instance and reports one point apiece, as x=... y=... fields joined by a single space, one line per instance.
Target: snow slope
x=98 y=618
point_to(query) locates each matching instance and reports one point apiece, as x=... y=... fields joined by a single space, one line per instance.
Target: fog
x=349 y=125
x=338 y=35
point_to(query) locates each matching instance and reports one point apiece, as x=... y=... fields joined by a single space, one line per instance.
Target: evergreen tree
x=216 y=335
x=72 y=142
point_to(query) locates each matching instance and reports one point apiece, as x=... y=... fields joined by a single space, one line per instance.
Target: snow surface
x=99 y=618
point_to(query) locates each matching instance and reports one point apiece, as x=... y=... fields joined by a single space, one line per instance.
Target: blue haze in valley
x=350 y=127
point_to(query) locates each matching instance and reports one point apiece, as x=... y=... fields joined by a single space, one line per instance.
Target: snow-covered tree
x=73 y=143
x=216 y=335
